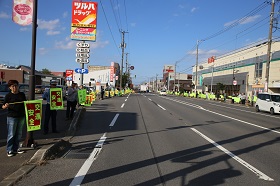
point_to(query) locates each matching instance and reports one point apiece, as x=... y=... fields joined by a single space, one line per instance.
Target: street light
x=212 y=77
x=212 y=72
x=234 y=71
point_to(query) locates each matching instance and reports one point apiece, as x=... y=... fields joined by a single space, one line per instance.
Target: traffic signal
x=89 y=84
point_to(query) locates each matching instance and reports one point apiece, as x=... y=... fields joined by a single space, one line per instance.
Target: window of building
x=258 y=67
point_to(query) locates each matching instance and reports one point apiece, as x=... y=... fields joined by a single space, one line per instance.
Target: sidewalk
x=48 y=147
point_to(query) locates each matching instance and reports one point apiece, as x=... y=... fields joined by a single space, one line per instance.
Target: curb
x=45 y=153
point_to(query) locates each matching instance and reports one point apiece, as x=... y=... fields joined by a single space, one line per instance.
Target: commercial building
x=97 y=76
x=21 y=74
x=173 y=80
x=241 y=71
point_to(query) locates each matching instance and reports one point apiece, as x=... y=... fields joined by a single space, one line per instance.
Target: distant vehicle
x=39 y=89
x=268 y=102
x=144 y=88
x=4 y=89
x=162 y=93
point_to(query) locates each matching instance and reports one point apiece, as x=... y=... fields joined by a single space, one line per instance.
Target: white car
x=162 y=93
x=268 y=102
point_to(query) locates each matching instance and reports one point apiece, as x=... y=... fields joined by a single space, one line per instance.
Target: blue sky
x=159 y=32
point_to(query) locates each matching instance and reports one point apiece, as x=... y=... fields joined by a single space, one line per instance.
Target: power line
x=253 y=12
x=109 y=27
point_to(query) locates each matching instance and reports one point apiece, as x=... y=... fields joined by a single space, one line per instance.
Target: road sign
x=82 y=55
x=83 y=45
x=83 y=50
x=81 y=71
x=82 y=60
x=234 y=82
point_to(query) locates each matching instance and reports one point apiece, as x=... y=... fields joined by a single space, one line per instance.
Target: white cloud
x=68 y=44
x=65 y=14
x=204 y=52
x=43 y=51
x=23 y=29
x=51 y=26
x=250 y=19
x=65 y=45
x=181 y=6
x=48 y=25
x=51 y=32
x=4 y=15
x=245 y=21
x=194 y=9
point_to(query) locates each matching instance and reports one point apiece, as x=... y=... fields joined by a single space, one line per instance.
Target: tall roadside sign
x=83 y=28
x=84 y=18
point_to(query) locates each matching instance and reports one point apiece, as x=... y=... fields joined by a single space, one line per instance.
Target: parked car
x=268 y=102
x=39 y=89
x=4 y=89
x=162 y=92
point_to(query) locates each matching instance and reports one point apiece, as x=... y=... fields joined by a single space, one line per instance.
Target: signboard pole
x=29 y=141
x=82 y=74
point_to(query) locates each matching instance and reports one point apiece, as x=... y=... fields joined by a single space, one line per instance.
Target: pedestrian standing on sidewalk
x=16 y=117
x=71 y=101
x=48 y=112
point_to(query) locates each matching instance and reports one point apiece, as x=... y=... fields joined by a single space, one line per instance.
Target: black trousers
x=49 y=114
x=71 y=106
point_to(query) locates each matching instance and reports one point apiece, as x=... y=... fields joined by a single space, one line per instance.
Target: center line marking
x=161 y=107
x=122 y=105
x=260 y=174
x=114 y=120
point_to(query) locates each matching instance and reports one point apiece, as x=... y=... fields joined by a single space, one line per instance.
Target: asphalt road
x=146 y=139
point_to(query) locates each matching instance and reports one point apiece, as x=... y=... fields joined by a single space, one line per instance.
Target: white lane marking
x=248 y=123
x=114 y=120
x=125 y=100
x=87 y=164
x=161 y=107
x=149 y=99
x=186 y=103
x=260 y=174
x=122 y=105
x=245 y=111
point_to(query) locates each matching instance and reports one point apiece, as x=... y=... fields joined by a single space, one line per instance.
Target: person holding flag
x=71 y=101
x=14 y=102
x=48 y=112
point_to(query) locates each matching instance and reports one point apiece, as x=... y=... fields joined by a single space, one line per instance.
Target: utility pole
x=175 y=75
x=156 y=83
x=126 y=64
x=196 y=64
x=123 y=45
x=269 y=46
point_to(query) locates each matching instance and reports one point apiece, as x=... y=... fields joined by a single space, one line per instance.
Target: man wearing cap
x=48 y=112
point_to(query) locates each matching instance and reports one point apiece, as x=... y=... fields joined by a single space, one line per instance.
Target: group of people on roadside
x=14 y=102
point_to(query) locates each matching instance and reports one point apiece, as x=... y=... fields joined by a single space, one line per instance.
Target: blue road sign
x=81 y=71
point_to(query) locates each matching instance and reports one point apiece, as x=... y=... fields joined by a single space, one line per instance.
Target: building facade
x=97 y=76
x=241 y=71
